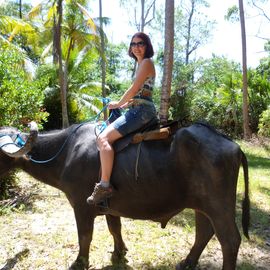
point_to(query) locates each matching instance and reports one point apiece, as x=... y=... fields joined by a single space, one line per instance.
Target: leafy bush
x=84 y=87
x=264 y=123
x=259 y=95
x=51 y=91
x=215 y=95
x=21 y=100
x=81 y=97
x=218 y=97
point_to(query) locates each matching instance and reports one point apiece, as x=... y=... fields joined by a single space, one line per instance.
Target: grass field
x=41 y=235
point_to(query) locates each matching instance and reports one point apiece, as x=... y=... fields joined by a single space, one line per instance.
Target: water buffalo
x=195 y=168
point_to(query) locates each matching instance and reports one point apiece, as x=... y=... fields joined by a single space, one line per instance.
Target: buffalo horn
x=14 y=151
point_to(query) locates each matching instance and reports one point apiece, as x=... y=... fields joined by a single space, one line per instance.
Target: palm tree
x=103 y=63
x=69 y=33
x=62 y=66
x=72 y=30
x=168 y=61
x=10 y=27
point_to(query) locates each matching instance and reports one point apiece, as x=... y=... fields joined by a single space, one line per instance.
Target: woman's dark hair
x=149 y=52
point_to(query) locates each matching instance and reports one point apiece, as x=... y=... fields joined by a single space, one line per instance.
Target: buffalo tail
x=246 y=201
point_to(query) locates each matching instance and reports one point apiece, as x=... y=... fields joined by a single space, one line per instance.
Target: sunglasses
x=135 y=44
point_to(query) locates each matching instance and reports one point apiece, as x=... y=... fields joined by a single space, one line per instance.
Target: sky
x=226 y=40
x=227 y=36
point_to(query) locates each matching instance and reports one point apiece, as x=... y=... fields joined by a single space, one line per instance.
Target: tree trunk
x=103 y=65
x=62 y=67
x=168 y=62
x=20 y=9
x=142 y=16
x=55 y=37
x=247 y=131
x=189 y=32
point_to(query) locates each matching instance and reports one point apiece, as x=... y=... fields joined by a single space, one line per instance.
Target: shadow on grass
x=259 y=230
x=255 y=161
x=265 y=190
x=203 y=266
x=185 y=219
x=14 y=198
x=11 y=263
x=149 y=266
x=259 y=224
x=114 y=267
x=247 y=266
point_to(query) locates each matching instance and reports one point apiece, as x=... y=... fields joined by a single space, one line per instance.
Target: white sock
x=105 y=183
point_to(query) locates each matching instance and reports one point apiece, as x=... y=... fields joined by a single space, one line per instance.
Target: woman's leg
x=105 y=140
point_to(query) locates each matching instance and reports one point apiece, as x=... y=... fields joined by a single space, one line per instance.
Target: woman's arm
x=145 y=70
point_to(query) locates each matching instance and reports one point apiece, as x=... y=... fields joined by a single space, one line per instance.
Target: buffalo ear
x=11 y=149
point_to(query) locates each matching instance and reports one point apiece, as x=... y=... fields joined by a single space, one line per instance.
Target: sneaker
x=99 y=194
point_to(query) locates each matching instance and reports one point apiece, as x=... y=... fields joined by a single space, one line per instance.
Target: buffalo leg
x=114 y=224
x=85 y=231
x=229 y=238
x=204 y=232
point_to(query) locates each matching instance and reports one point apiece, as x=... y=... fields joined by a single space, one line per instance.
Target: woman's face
x=138 y=47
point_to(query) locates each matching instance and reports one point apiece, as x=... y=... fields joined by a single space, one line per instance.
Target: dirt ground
x=43 y=237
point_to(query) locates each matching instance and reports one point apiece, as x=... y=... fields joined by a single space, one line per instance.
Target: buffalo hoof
x=185 y=265
x=118 y=257
x=80 y=264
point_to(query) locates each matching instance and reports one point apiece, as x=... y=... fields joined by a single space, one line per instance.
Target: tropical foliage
x=21 y=100
x=220 y=87
x=264 y=123
x=209 y=89
x=45 y=55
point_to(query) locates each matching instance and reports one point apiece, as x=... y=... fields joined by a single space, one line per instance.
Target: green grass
x=258 y=155
x=42 y=235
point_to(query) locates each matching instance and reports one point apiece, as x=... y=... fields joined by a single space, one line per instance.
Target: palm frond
x=80 y=57
x=90 y=22
x=106 y=20
x=92 y=86
x=46 y=50
x=93 y=104
x=82 y=39
x=4 y=40
x=12 y=26
x=27 y=63
x=35 y=11
x=51 y=12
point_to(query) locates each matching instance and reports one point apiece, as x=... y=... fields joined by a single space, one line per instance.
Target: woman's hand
x=113 y=105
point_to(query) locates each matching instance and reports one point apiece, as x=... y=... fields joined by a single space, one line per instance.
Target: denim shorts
x=135 y=118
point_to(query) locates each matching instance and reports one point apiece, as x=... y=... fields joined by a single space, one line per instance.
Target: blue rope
x=59 y=151
x=65 y=142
